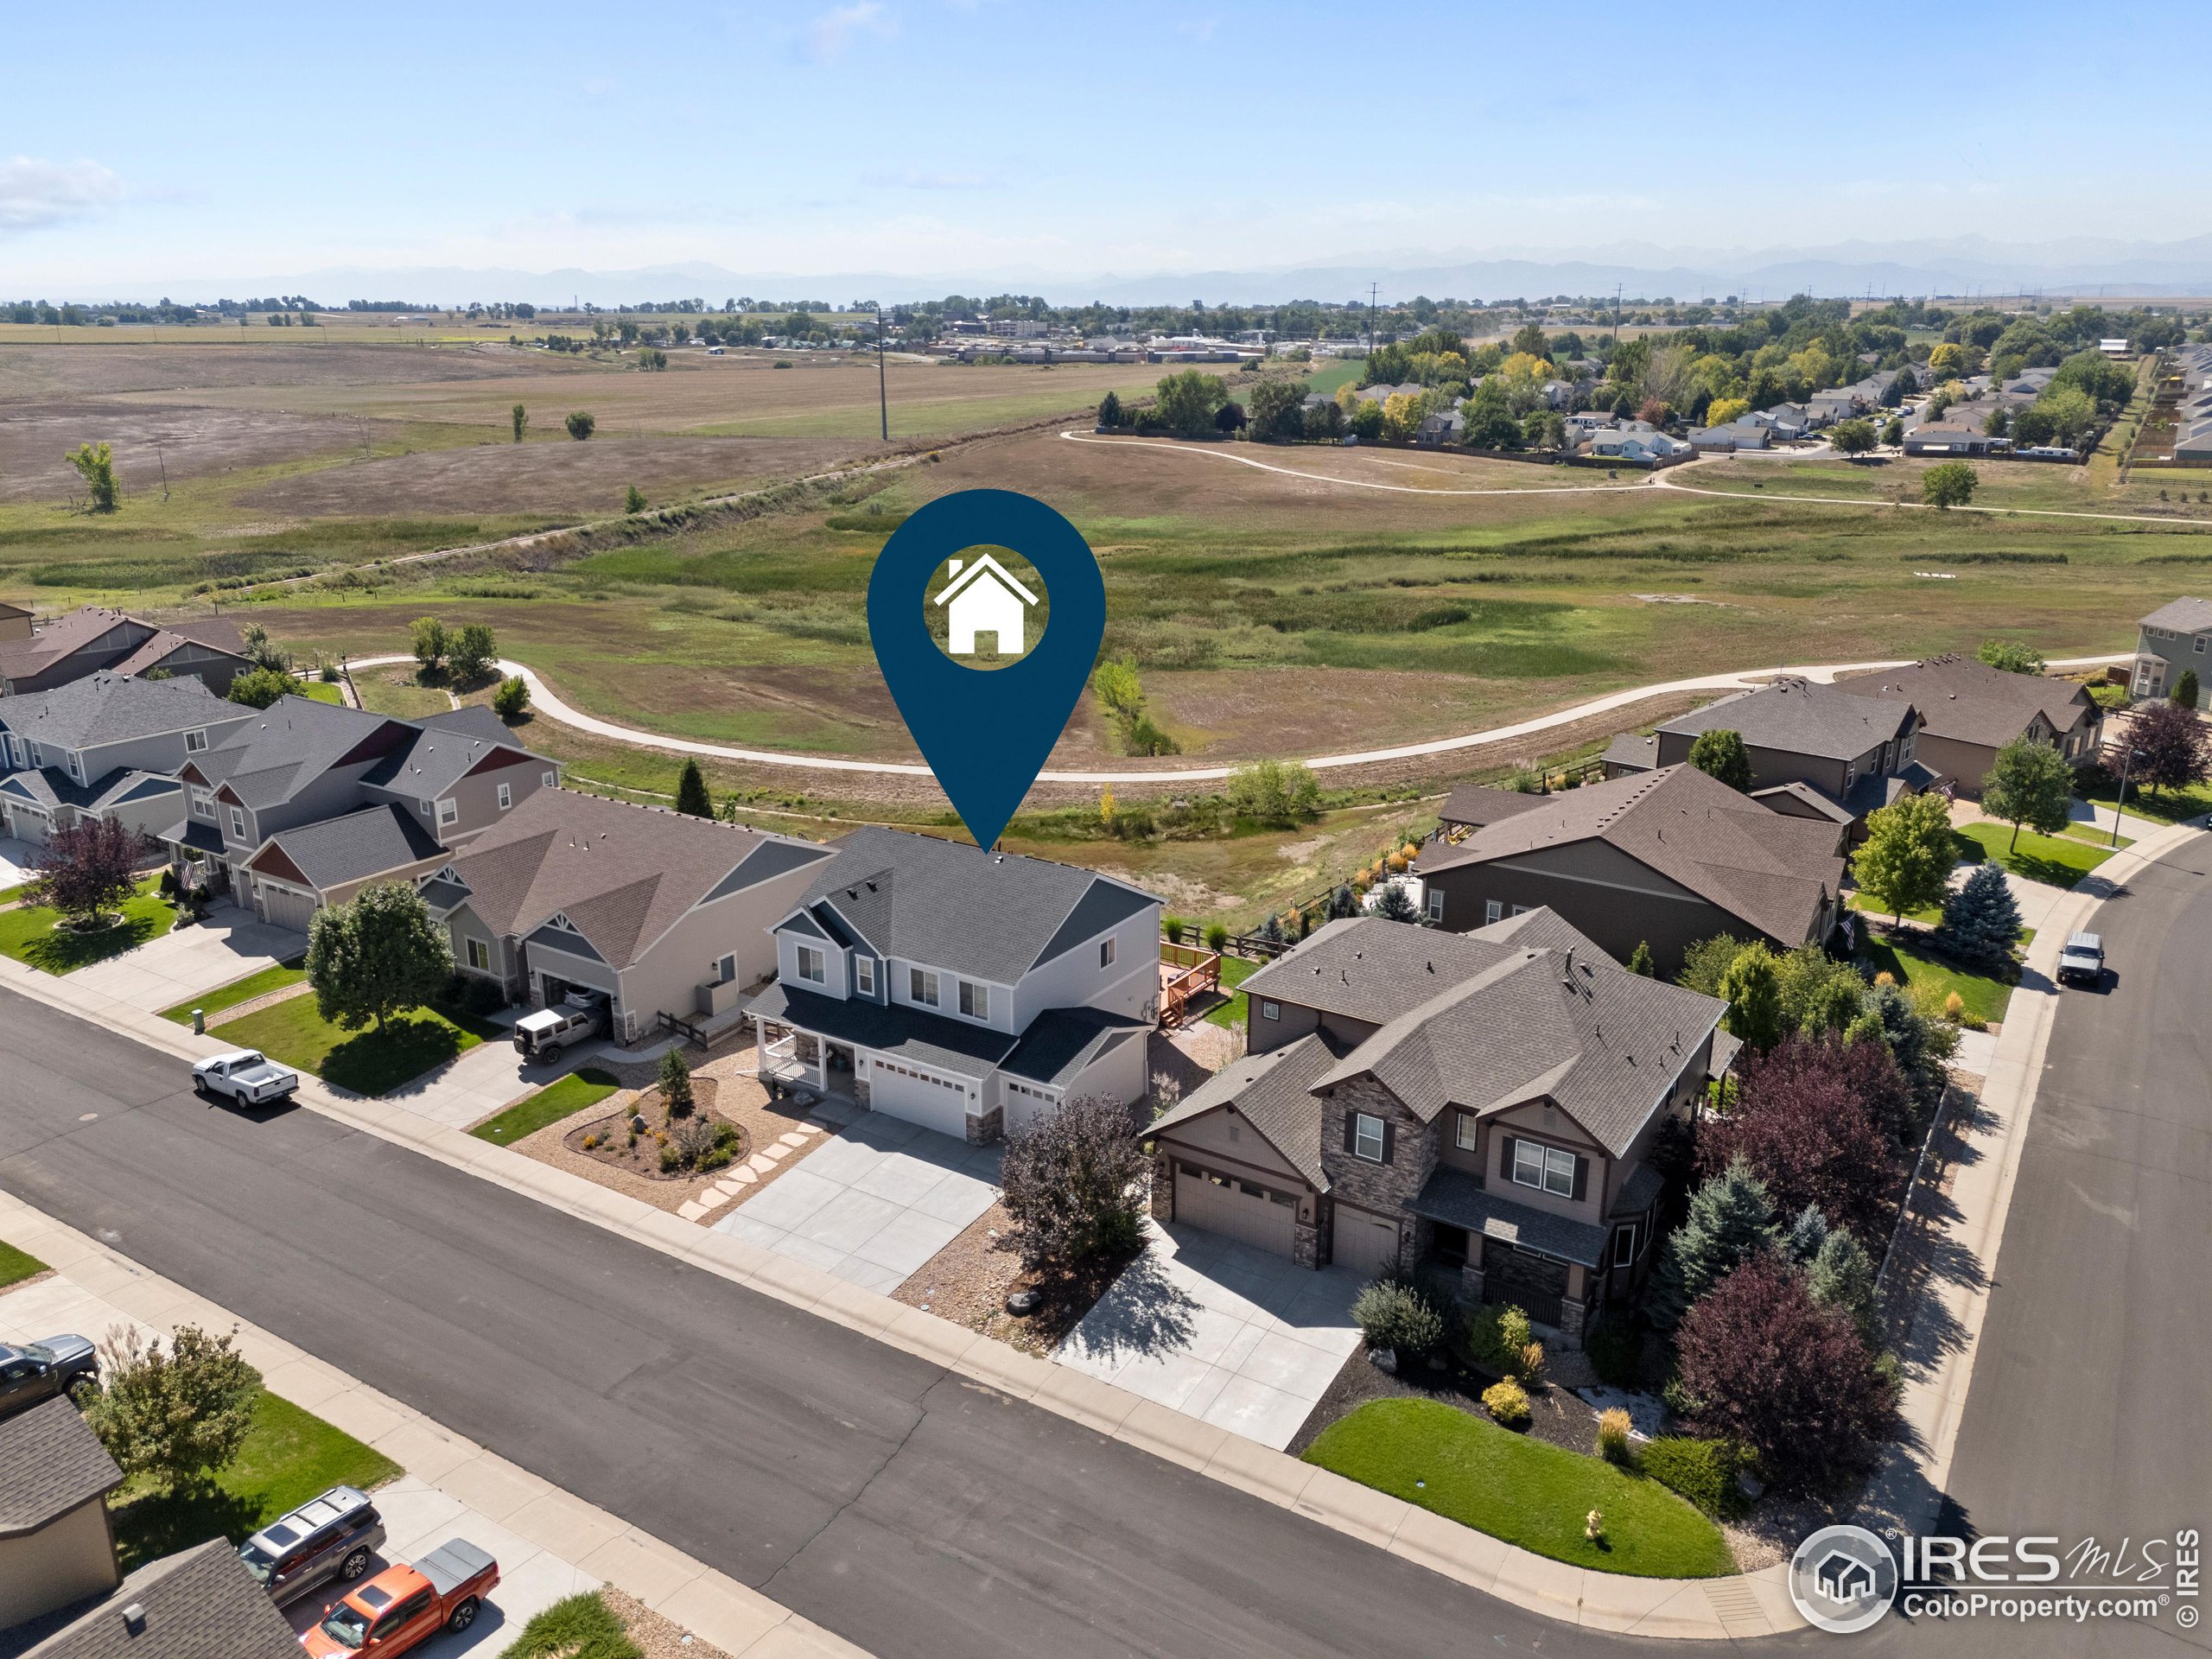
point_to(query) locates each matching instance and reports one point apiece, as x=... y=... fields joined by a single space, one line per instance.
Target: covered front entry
x=286 y=907
x=1515 y=1276
x=1245 y=1210
x=1368 y=1243
x=939 y=1104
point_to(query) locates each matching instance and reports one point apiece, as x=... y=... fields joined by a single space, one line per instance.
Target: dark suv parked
x=335 y=1535
x=31 y=1371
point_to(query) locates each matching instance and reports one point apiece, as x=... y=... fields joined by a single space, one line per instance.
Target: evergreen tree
x=1343 y=902
x=2184 y=691
x=691 y=796
x=1639 y=960
x=1394 y=906
x=1841 y=1275
x=1729 y=1222
x=1807 y=1233
x=1981 y=919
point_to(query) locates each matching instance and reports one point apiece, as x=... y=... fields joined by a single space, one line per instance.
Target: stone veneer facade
x=1387 y=1188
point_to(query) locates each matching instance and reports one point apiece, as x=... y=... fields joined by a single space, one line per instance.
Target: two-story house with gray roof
x=655 y=913
x=108 y=745
x=2174 y=637
x=965 y=990
x=1816 y=751
x=255 y=806
x=1487 y=1101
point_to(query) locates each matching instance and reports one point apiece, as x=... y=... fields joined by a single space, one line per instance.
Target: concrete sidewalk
x=548 y=1543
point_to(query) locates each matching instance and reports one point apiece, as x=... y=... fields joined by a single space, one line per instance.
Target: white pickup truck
x=246 y=1075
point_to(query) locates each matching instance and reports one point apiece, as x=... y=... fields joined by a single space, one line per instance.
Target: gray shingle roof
x=1578 y=1029
x=50 y=1462
x=114 y=709
x=199 y=1604
x=1772 y=872
x=1060 y=1042
x=371 y=841
x=1969 y=701
x=1803 y=718
x=1457 y=1199
x=1633 y=752
x=930 y=1039
x=622 y=874
x=991 y=915
x=50 y=786
x=294 y=740
x=1274 y=1092
x=444 y=749
x=1366 y=969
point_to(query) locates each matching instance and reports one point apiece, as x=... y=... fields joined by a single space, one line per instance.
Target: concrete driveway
x=189 y=962
x=18 y=860
x=1221 y=1331
x=873 y=1203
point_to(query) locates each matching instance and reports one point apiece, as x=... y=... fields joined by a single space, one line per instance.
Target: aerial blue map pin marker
x=986 y=733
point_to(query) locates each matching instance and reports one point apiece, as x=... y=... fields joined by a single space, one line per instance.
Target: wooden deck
x=1186 y=974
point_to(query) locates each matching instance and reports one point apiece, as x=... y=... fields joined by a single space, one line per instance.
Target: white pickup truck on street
x=246 y=1075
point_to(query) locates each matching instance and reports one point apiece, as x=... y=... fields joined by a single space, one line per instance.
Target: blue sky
x=925 y=136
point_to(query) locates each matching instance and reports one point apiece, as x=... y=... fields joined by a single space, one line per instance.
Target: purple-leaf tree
x=1805 y=1119
x=2172 y=742
x=87 y=870
x=1072 y=1182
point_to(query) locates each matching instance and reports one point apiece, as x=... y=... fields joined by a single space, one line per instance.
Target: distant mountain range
x=1963 y=267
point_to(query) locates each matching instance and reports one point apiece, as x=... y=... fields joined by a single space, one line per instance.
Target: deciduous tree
x=512 y=698
x=472 y=652
x=173 y=1417
x=2014 y=655
x=1185 y=402
x=2030 y=784
x=1753 y=989
x=1800 y=1123
x=87 y=870
x=428 y=637
x=379 y=956
x=1950 y=484
x=1719 y=754
x=95 y=464
x=260 y=687
x=1072 y=1182
x=1852 y=437
x=2172 y=742
x=581 y=423
x=518 y=418
x=1905 y=862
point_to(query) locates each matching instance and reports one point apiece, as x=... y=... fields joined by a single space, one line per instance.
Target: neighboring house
x=985 y=599
x=1946 y=438
x=86 y=641
x=657 y=911
x=1969 y=710
x=109 y=745
x=1785 y=421
x=1742 y=433
x=1587 y=422
x=57 y=1542
x=1489 y=1102
x=971 y=992
x=1665 y=858
x=1470 y=806
x=326 y=863
x=1827 y=408
x=1446 y=426
x=198 y=1604
x=15 y=622
x=1848 y=751
x=301 y=763
x=2172 y=638
x=1634 y=440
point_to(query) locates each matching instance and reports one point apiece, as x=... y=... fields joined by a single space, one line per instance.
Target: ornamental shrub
x=1704 y=1471
x=1612 y=1435
x=1507 y=1402
x=1395 y=1314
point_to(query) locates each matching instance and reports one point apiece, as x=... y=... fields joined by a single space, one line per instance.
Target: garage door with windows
x=1249 y=1212
x=286 y=907
x=939 y=1104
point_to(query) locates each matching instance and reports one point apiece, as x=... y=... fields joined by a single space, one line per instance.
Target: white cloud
x=829 y=34
x=36 y=193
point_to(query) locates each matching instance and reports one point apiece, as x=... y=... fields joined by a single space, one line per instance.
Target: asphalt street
x=911 y=1511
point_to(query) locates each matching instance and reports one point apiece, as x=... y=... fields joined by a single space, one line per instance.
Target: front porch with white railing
x=801 y=1059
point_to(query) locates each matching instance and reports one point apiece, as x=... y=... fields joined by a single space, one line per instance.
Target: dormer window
x=813 y=966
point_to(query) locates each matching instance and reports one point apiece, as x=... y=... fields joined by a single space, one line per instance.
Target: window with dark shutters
x=1505 y=1157
x=1581 y=1178
x=1389 y=1138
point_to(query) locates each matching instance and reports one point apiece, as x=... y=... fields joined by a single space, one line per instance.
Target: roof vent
x=134 y=1620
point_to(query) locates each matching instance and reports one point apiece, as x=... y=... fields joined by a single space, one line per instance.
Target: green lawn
x=1235 y=970
x=15 y=1265
x=369 y=1062
x=2058 y=861
x=563 y=1097
x=320 y=691
x=27 y=933
x=1525 y=1490
x=2167 y=806
x=240 y=990
x=1985 y=999
x=290 y=1456
x=8 y=895
x=1859 y=901
x=2096 y=836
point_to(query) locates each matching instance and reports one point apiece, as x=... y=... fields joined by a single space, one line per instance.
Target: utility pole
x=1617 y=313
x=2119 y=801
x=1373 y=289
x=882 y=396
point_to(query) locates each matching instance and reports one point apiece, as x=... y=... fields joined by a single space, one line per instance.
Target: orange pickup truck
x=404 y=1606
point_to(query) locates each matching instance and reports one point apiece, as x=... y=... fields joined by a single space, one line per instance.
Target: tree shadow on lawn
x=64 y=951
x=154 y=1524
x=379 y=1061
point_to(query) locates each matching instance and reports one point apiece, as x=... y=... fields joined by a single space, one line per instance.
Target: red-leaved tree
x=87 y=870
x=1763 y=1364
x=1805 y=1118
x=2171 y=740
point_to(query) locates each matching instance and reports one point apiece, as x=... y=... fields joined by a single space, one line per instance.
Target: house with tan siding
x=93 y=640
x=57 y=1542
x=1969 y=710
x=1486 y=1102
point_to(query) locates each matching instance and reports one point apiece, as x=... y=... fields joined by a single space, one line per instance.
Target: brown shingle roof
x=622 y=874
x=198 y=1604
x=1969 y=701
x=1478 y=804
x=50 y=1462
x=1274 y=1091
x=1802 y=717
x=20 y=658
x=1773 y=872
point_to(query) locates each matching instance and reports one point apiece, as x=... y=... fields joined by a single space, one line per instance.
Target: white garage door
x=1244 y=1211
x=28 y=825
x=284 y=908
x=1365 y=1243
x=919 y=1099
x=1022 y=1105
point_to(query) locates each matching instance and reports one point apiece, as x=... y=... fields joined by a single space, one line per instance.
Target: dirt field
x=190 y=442
x=31 y=369
x=557 y=476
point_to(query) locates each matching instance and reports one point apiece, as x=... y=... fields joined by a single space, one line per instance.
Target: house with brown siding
x=1488 y=1102
x=1970 y=710
x=93 y=639
x=655 y=913
x=1664 y=858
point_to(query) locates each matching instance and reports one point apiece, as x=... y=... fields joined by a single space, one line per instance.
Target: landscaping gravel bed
x=969 y=1280
x=1556 y=1413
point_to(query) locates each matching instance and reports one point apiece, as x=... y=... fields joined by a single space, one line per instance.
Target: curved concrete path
x=548 y=702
